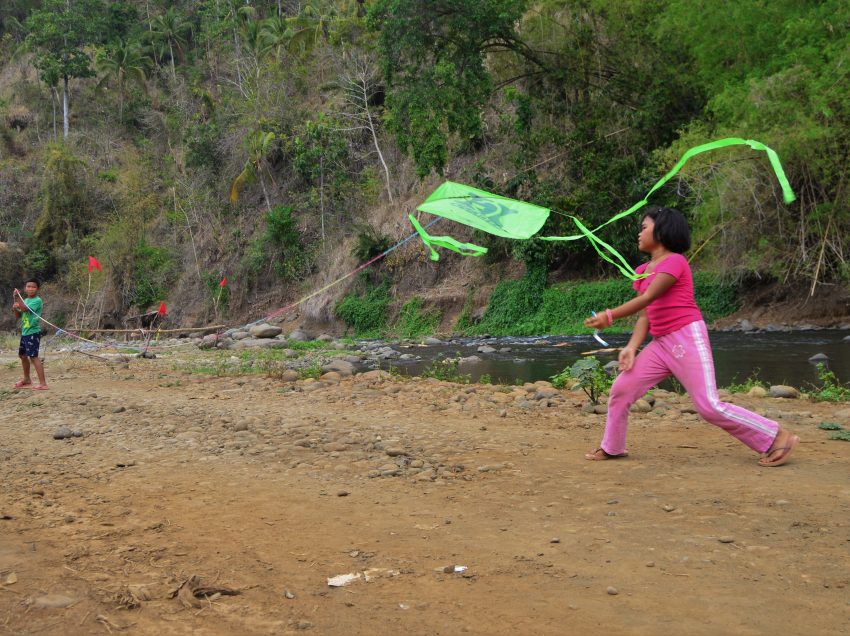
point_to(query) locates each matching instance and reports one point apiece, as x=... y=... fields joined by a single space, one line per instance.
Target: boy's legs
x=39 y=370
x=692 y=364
x=23 y=354
x=28 y=352
x=649 y=369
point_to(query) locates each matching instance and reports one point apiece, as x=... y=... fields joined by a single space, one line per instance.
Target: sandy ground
x=269 y=489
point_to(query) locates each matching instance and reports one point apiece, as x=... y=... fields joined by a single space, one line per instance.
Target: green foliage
x=446 y=369
x=365 y=314
x=714 y=296
x=831 y=390
x=61 y=31
x=750 y=383
x=590 y=377
x=842 y=436
x=65 y=213
x=414 y=321
x=369 y=243
x=282 y=236
x=513 y=301
x=830 y=426
x=433 y=55
x=153 y=274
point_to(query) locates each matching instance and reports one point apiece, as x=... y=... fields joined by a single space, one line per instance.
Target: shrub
x=590 y=376
x=414 y=321
x=366 y=314
x=153 y=275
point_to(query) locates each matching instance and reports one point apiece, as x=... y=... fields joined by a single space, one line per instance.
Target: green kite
x=513 y=219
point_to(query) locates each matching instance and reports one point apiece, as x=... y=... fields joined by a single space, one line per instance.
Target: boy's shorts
x=29 y=345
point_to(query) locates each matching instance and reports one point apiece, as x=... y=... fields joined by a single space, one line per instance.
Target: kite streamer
x=513 y=219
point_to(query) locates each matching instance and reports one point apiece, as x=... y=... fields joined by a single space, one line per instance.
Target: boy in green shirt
x=29 y=310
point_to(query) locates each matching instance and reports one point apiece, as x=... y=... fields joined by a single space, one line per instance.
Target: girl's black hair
x=671 y=229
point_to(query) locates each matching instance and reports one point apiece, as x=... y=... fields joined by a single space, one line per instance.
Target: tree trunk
x=53 y=103
x=171 y=52
x=322 y=194
x=65 y=107
x=377 y=147
x=265 y=192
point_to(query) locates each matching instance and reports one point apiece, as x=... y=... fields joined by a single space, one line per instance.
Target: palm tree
x=124 y=61
x=173 y=29
x=276 y=34
x=259 y=145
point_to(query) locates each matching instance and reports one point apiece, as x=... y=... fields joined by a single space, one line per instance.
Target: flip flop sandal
x=605 y=455
x=785 y=453
x=20 y=384
x=40 y=387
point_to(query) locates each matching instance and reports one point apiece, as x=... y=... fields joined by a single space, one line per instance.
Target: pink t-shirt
x=676 y=307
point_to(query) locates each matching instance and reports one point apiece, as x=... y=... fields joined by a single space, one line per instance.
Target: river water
x=773 y=357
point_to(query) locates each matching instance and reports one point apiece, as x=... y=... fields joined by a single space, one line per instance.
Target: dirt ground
x=270 y=489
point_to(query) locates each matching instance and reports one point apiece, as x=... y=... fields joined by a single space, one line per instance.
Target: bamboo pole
x=212 y=328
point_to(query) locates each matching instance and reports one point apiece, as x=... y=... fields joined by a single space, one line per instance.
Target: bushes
x=366 y=314
x=153 y=275
x=521 y=307
x=413 y=321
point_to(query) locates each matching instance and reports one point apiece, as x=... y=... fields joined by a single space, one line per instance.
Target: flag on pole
x=93 y=264
x=161 y=310
x=223 y=282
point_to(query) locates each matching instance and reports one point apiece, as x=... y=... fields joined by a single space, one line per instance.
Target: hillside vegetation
x=282 y=143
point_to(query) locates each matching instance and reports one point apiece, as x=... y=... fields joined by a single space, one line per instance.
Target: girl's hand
x=600 y=321
x=627 y=358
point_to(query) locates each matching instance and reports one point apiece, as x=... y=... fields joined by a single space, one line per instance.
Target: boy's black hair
x=33 y=280
x=671 y=229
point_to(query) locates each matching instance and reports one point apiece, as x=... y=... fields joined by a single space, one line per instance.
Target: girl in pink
x=666 y=310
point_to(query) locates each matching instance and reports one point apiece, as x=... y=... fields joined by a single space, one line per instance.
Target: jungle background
x=280 y=144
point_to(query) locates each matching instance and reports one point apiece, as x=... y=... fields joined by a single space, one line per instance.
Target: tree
x=123 y=61
x=433 y=54
x=360 y=87
x=171 y=29
x=259 y=146
x=62 y=31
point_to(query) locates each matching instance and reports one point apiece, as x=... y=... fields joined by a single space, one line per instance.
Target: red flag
x=223 y=282
x=161 y=310
x=93 y=264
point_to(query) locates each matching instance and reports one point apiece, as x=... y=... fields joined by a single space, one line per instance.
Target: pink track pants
x=685 y=354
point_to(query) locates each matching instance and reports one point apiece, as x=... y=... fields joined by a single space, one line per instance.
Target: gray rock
x=819 y=357
x=325 y=338
x=470 y=360
x=612 y=367
x=746 y=325
x=641 y=406
x=63 y=433
x=783 y=391
x=239 y=335
x=264 y=330
x=432 y=341
x=290 y=376
x=299 y=336
x=343 y=367
x=486 y=349
x=600 y=409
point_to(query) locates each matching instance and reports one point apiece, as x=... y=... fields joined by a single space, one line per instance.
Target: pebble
x=288 y=594
x=668 y=508
x=555 y=540
x=63 y=433
x=342 y=493
x=612 y=590
x=726 y=539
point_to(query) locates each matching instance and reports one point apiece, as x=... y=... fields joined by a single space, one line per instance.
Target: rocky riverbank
x=455 y=508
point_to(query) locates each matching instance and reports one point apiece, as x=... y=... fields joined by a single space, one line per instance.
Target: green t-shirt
x=29 y=321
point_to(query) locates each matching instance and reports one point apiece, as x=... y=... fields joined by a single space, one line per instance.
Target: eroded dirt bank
x=270 y=489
